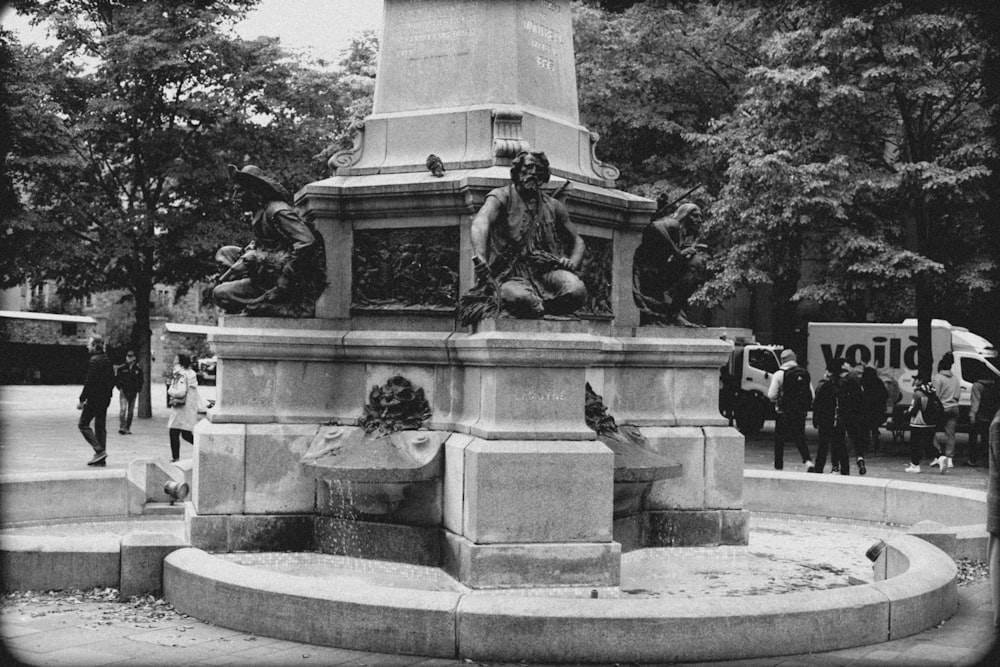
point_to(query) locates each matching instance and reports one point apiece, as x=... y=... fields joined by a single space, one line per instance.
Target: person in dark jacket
x=128 y=379
x=876 y=396
x=984 y=405
x=831 y=433
x=94 y=400
x=853 y=418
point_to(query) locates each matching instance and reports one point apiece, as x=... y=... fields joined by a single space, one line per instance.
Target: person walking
x=792 y=395
x=948 y=388
x=95 y=397
x=182 y=396
x=921 y=432
x=831 y=434
x=128 y=379
x=984 y=404
x=876 y=396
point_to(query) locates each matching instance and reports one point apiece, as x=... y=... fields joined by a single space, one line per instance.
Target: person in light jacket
x=183 y=398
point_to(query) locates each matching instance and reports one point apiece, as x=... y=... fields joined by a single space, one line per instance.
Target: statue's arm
x=480 y=230
x=575 y=257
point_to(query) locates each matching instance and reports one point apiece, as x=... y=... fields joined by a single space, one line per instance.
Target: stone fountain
x=504 y=485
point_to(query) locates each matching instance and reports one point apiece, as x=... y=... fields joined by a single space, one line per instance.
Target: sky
x=321 y=27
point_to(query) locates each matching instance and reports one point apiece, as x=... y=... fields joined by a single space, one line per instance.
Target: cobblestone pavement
x=91 y=628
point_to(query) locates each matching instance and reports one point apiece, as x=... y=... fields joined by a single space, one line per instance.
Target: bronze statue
x=283 y=270
x=668 y=267
x=525 y=250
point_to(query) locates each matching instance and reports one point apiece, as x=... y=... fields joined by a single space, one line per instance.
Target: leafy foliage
x=121 y=133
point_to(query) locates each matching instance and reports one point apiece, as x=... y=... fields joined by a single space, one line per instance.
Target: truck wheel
x=749 y=417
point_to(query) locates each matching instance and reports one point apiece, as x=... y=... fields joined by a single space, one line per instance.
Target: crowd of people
x=851 y=402
x=103 y=378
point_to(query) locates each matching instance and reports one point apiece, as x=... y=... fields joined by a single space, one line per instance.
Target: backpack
x=933 y=412
x=795 y=393
x=850 y=402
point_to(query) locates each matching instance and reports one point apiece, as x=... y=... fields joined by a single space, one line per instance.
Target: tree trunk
x=143 y=334
x=916 y=232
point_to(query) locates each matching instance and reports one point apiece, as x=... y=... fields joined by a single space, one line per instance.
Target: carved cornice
x=349 y=156
x=606 y=171
x=507 y=138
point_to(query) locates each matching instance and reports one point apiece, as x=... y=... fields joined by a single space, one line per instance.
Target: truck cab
x=744 y=384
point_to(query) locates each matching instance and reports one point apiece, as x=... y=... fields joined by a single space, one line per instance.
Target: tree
x=122 y=132
x=859 y=142
x=655 y=72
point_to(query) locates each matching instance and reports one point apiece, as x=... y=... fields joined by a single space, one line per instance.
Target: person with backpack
x=985 y=401
x=948 y=387
x=824 y=409
x=791 y=392
x=925 y=413
x=852 y=418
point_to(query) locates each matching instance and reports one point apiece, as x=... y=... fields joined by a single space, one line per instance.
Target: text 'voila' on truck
x=889 y=347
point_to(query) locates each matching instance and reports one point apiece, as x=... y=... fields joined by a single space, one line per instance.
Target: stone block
x=920 y=585
x=206 y=531
x=724 y=453
x=276 y=482
x=311 y=389
x=642 y=396
x=454 y=480
x=416 y=503
x=219 y=476
x=532 y=403
x=685 y=445
x=734 y=527
x=44 y=562
x=628 y=531
x=142 y=557
x=814 y=495
x=531 y=491
x=696 y=397
x=683 y=528
x=248 y=390
x=263 y=532
x=378 y=541
x=63 y=495
x=532 y=565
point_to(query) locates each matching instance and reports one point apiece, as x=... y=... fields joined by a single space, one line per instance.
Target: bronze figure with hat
x=283 y=269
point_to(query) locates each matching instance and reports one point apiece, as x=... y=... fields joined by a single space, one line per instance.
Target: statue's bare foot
x=681 y=320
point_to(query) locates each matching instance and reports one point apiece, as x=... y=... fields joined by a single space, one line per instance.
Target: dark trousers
x=175 y=441
x=99 y=415
x=789 y=426
x=979 y=432
x=126 y=408
x=859 y=435
x=920 y=439
x=831 y=441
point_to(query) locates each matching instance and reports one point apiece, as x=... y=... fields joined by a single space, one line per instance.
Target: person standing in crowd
x=984 y=403
x=875 y=398
x=128 y=379
x=182 y=396
x=98 y=385
x=852 y=419
x=921 y=432
x=831 y=434
x=948 y=388
x=792 y=395
x=993 y=516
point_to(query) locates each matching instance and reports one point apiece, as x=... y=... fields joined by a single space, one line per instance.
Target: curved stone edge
x=354 y=616
x=512 y=628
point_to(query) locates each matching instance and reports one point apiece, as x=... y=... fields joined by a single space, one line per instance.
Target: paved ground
x=39 y=434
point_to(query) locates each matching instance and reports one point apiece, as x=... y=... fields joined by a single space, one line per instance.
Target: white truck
x=890 y=347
